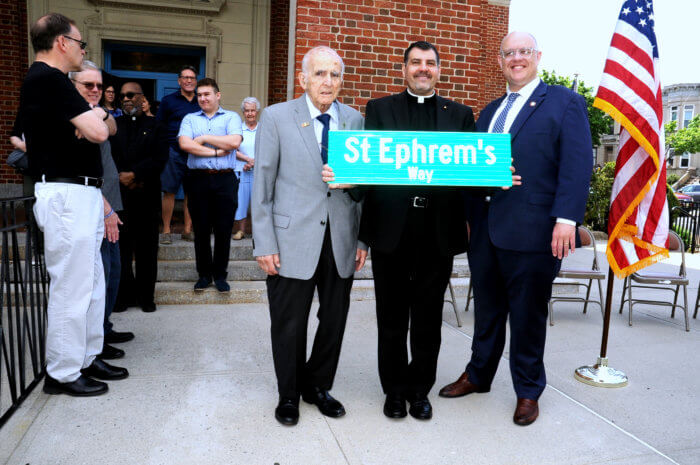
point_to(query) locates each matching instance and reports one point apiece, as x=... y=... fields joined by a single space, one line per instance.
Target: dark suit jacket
x=385 y=207
x=552 y=151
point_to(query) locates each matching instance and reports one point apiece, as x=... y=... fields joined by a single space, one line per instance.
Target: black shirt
x=48 y=101
x=422 y=116
x=140 y=145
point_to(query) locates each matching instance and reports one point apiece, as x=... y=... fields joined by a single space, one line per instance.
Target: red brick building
x=255 y=37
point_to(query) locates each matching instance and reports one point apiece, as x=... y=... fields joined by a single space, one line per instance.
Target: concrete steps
x=177 y=274
x=180 y=293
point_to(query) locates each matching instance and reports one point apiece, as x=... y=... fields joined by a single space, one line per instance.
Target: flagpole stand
x=601 y=375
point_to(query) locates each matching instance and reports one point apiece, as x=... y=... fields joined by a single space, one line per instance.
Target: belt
x=82 y=180
x=207 y=171
x=418 y=202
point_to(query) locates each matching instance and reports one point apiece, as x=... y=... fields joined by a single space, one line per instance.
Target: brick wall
x=279 y=48
x=13 y=63
x=372 y=35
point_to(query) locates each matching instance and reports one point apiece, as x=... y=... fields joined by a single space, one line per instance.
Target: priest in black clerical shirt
x=414 y=233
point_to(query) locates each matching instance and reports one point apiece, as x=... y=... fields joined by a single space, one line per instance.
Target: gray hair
x=87 y=64
x=250 y=100
x=320 y=49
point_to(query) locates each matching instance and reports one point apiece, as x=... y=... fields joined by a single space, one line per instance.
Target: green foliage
x=672 y=178
x=683 y=140
x=598 y=205
x=685 y=235
x=599 y=121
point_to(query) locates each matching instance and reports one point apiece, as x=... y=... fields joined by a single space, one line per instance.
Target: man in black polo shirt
x=62 y=133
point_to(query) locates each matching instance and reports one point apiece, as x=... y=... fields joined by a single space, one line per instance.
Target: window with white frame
x=674 y=114
x=688 y=111
x=685 y=160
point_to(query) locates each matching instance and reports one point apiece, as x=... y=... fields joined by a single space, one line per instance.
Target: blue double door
x=155 y=67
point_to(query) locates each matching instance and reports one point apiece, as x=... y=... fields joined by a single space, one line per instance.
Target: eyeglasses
x=525 y=52
x=83 y=44
x=109 y=92
x=89 y=85
x=129 y=95
x=188 y=78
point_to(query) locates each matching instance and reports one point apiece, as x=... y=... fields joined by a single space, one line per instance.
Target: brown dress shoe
x=526 y=412
x=461 y=387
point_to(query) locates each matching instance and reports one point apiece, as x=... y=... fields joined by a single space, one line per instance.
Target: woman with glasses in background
x=108 y=102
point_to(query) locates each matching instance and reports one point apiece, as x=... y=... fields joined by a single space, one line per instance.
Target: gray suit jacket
x=291 y=204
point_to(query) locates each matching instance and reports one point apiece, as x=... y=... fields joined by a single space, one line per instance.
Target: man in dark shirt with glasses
x=172 y=109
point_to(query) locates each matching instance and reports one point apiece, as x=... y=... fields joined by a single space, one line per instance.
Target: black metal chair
x=587 y=275
x=660 y=281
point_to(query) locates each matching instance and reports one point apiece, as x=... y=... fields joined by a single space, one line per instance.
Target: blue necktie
x=324 y=118
x=501 y=120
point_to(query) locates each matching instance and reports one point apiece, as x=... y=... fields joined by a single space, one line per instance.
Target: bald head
x=522 y=36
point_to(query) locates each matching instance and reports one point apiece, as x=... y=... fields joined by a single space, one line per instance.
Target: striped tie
x=501 y=120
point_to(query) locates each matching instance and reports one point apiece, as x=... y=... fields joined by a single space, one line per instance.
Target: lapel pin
x=532 y=104
x=304 y=124
x=444 y=107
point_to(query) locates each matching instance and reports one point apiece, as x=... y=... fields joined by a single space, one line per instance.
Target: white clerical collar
x=421 y=98
x=526 y=90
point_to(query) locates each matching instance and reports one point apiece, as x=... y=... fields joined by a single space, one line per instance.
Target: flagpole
x=600 y=374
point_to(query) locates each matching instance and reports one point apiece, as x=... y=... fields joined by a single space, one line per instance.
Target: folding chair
x=660 y=281
x=585 y=274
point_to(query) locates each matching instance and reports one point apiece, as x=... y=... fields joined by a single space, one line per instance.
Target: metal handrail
x=23 y=303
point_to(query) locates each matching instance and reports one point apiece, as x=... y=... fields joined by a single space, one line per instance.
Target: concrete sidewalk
x=202 y=391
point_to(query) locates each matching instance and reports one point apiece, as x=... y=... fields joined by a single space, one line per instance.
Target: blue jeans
x=112 y=265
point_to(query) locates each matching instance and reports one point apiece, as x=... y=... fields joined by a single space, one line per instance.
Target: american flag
x=630 y=91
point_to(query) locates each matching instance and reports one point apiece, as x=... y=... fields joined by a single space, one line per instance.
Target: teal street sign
x=420 y=158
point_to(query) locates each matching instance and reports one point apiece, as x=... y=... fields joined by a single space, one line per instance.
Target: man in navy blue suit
x=519 y=236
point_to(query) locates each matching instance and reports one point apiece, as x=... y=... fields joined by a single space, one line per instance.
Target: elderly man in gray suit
x=305 y=234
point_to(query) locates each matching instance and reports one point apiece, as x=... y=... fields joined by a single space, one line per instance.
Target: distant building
x=681 y=103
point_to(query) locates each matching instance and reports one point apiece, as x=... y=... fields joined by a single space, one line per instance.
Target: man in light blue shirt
x=245 y=162
x=210 y=137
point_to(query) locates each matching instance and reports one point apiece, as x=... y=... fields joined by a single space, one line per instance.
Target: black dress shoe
x=324 y=401
x=81 y=387
x=110 y=352
x=149 y=308
x=116 y=337
x=420 y=408
x=287 y=411
x=119 y=308
x=395 y=406
x=103 y=370
x=201 y=284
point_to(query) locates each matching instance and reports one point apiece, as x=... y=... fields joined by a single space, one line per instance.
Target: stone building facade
x=254 y=47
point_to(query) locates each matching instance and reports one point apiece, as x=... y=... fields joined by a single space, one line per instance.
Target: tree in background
x=686 y=140
x=601 y=123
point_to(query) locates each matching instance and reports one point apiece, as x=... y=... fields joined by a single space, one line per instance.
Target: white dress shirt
x=318 y=126
x=525 y=94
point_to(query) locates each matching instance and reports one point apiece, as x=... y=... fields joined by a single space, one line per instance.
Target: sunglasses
x=129 y=95
x=83 y=44
x=89 y=85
